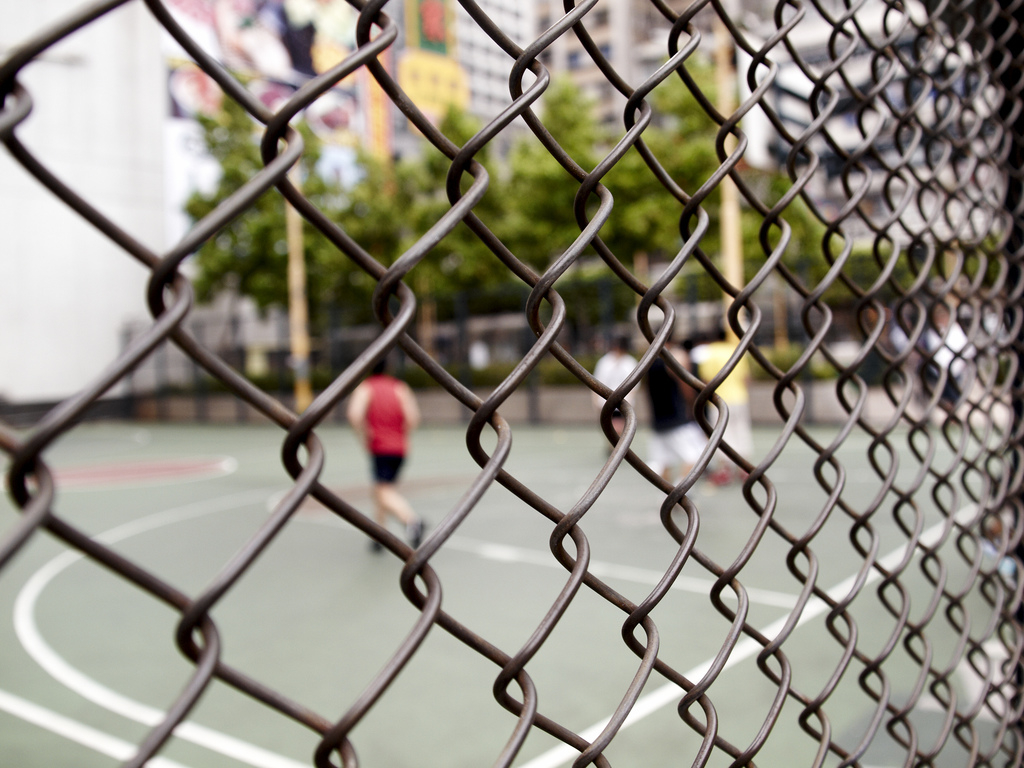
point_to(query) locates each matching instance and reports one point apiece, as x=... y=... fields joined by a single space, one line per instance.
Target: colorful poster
x=433 y=82
x=427 y=69
x=284 y=40
x=276 y=45
x=432 y=25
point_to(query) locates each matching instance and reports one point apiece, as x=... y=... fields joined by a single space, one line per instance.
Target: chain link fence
x=902 y=131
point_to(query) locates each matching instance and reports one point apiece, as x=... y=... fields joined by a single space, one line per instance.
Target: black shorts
x=385 y=468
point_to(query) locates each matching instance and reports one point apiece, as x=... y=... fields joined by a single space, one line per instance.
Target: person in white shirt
x=611 y=370
x=950 y=350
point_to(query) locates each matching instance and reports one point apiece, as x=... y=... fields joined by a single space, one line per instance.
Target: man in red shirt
x=383 y=411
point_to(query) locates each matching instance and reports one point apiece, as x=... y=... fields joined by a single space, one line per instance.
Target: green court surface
x=88 y=661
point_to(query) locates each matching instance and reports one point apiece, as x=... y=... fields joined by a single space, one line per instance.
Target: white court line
x=509 y=554
x=98 y=741
x=744 y=649
x=505 y=553
x=260 y=758
x=32 y=640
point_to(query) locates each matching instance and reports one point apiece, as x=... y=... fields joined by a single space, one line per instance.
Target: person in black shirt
x=676 y=440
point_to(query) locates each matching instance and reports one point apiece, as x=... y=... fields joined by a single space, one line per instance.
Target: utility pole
x=298 y=308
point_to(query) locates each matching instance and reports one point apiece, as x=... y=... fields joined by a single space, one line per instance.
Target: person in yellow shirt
x=710 y=359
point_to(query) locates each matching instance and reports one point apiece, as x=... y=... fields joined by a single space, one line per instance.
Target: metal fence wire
x=931 y=179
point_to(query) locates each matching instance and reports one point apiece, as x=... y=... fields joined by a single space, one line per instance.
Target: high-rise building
x=487 y=66
x=630 y=34
x=444 y=59
x=96 y=123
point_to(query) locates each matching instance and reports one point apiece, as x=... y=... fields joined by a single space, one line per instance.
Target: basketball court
x=88 y=660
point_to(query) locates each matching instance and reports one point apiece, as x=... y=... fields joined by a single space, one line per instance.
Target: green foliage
x=251 y=253
x=784 y=358
x=539 y=222
x=549 y=372
x=646 y=217
x=413 y=200
x=528 y=204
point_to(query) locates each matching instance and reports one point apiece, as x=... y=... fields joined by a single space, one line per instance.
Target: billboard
x=277 y=46
x=428 y=70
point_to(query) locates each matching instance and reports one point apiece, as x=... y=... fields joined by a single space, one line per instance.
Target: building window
x=575 y=60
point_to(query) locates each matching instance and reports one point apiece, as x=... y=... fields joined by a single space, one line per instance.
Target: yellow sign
x=378 y=114
x=433 y=82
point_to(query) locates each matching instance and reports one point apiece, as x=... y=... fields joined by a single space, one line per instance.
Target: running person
x=382 y=411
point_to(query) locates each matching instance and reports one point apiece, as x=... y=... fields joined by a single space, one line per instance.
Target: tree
x=539 y=222
x=528 y=205
x=250 y=254
x=395 y=203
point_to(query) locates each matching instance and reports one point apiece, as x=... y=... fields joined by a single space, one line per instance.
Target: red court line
x=128 y=472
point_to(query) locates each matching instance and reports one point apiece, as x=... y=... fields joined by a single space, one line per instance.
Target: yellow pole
x=641 y=269
x=729 y=219
x=298 y=309
x=427 y=324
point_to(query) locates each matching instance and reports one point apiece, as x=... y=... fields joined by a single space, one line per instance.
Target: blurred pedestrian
x=994 y=542
x=676 y=439
x=611 y=370
x=950 y=354
x=383 y=411
x=917 y=368
x=711 y=358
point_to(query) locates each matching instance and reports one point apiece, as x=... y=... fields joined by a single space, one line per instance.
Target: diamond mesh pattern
x=931 y=179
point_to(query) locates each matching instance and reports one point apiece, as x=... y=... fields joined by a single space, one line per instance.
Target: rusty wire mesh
x=939 y=150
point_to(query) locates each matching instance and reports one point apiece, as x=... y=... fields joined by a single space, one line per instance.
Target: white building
x=630 y=34
x=487 y=66
x=97 y=121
